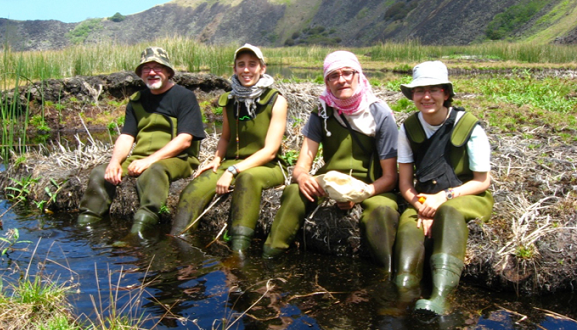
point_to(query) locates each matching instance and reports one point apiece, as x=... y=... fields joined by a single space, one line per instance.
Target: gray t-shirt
x=379 y=115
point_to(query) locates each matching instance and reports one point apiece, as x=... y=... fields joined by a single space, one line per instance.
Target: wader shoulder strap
x=414 y=129
x=459 y=137
x=223 y=99
x=463 y=129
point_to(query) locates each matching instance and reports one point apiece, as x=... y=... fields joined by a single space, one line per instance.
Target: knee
x=289 y=193
x=97 y=173
x=449 y=214
x=246 y=181
x=382 y=213
x=155 y=171
x=245 y=177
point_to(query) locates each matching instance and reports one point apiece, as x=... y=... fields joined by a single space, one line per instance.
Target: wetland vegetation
x=525 y=95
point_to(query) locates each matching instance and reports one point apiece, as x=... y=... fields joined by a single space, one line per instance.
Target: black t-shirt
x=177 y=102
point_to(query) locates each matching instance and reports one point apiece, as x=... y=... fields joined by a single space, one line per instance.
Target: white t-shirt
x=478 y=145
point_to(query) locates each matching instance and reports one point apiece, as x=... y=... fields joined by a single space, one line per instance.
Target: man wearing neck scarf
x=359 y=138
x=247 y=154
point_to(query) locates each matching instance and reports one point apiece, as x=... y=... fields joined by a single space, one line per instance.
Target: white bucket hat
x=430 y=73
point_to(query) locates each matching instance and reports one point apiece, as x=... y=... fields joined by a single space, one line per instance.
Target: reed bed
x=413 y=51
x=190 y=55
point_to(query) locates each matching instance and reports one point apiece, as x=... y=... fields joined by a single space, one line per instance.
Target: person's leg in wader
x=409 y=259
x=245 y=204
x=287 y=222
x=379 y=227
x=97 y=199
x=450 y=233
x=152 y=187
x=194 y=199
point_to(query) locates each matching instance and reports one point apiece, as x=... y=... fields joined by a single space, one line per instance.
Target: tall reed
x=190 y=55
x=413 y=51
x=14 y=115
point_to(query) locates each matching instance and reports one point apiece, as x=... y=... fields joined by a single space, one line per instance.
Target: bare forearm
x=479 y=184
x=122 y=148
x=173 y=148
x=388 y=179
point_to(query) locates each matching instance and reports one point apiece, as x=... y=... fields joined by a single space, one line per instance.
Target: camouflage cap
x=155 y=54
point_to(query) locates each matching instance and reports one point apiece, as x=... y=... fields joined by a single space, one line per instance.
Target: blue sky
x=70 y=11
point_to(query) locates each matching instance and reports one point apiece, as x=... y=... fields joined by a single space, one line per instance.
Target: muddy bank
x=527 y=246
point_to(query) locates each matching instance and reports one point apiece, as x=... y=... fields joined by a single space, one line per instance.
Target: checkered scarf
x=249 y=95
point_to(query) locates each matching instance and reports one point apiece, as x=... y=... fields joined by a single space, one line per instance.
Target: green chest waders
x=449 y=230
x=342 y=153
x=247 y=136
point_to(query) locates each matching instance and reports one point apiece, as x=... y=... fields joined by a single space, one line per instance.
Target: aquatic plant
x=44 y=205
x=12 y=238
x=21 y=188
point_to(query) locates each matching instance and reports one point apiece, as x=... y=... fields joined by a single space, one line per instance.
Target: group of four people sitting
x=439 y=160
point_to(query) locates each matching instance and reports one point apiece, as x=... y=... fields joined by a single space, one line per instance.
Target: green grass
x=35 y=302
x=38 y=302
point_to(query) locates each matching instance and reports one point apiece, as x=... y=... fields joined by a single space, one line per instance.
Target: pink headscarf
x=363 y=96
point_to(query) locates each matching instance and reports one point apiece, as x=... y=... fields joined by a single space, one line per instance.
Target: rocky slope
x=277 y=23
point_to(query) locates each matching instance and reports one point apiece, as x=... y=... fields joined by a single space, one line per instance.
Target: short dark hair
x=449 y=101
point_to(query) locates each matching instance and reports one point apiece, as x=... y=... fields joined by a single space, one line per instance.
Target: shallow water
x=179 y=284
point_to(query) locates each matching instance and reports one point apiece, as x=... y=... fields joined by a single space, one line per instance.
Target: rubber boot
x=144 y=222
x=270 y=252
x=380 y=232
x=152 y=187
x=408 y=289
x=143 y=231
x=287 y=222
x=97 y=197
x=240 y=238
x=446 y=272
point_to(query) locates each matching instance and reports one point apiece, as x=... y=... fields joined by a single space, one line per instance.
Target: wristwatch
x=233 y=170
x=450 y=193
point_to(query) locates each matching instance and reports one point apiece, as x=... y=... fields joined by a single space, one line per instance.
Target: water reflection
x=185 y=285
x=182 y=284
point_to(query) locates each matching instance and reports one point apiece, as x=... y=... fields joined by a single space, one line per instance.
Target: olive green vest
x=155 y=130
x=248 y=136
x=459 y=137
x=341 y=152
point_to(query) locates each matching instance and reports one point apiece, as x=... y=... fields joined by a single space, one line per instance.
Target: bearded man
x=164 y=124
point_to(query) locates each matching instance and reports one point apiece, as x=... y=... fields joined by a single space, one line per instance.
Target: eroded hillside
x=305 y=22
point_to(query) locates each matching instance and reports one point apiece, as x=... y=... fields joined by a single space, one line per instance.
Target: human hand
x=430 y=203
x=310 y=187
x=214 y=164
x=113 y=173
x=223 y=183
x=426 y=224
x=138 y=166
